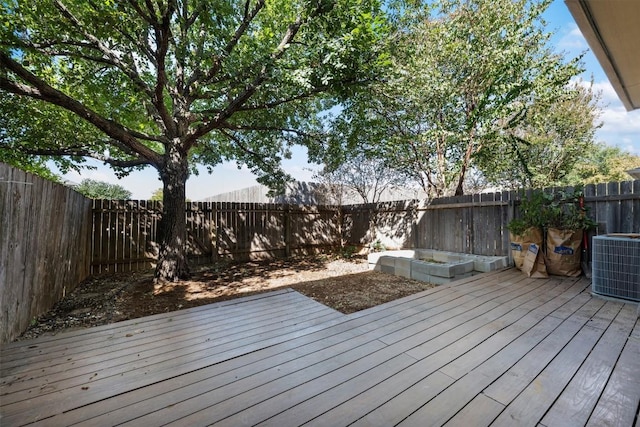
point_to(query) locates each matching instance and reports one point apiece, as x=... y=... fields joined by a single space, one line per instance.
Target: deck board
x=578 y=399
x=397 y=383
x=110 y=331
x=446 y=355
x=176 y=357
x=540 y=394
x=622 y=392
x=493 y=349
x=119 y=353
x=374 y=323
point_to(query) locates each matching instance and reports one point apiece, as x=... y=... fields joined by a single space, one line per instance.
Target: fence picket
x=45 y=246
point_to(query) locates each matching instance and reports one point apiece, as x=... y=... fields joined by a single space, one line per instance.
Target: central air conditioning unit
x=616 y=266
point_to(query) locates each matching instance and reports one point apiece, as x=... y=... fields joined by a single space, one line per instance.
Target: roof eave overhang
x=588 y=24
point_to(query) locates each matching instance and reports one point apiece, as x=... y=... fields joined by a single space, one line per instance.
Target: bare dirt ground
x=343 y=284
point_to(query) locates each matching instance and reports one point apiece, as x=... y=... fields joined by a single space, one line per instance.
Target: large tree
x=550 y=144
x=467 y=72
x=173 y=83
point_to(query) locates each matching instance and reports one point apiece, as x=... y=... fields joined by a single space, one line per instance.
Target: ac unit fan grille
x=616 y=267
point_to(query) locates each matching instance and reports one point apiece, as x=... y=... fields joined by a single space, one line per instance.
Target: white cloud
x=572 y=38
x=620 y=127
x=621 y=121
x=606 y=91
x=615 y=117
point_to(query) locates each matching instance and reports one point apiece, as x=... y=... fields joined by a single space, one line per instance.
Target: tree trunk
x=466 y=161
x=172 y=230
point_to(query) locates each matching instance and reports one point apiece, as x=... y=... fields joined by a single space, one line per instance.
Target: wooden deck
x=496 y=349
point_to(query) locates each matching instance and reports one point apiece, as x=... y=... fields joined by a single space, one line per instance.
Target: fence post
x=511 y=215
x=287 y=230
x=210 y=207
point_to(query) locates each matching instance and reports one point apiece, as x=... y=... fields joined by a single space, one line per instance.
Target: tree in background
x=173 y=83
x=467 y=72
x=367 y=178
x=156 y=195
x=545 y=148
x=102 y=190
x=603 y=163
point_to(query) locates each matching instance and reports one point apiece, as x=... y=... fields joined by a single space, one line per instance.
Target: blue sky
x=620 y=128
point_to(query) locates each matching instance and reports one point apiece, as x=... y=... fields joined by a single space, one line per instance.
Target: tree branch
x=83 y=152
x=257 y=157
x=231 y=44
x=39 y=89
x=141 y=13
x=268 y=105
x=230 y=126
x=185 y=22
x=316 y=90
x=162 y=32
x=144 y=37
x=108 y=53
x=252 y=87
x=141 y=43
x=71 y=54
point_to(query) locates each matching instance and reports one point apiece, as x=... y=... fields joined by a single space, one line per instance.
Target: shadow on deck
x=494 y=349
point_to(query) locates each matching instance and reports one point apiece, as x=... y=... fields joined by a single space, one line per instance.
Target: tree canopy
x=156 y=195
x=174 y=83
x=467 y=76
x=548 y=146
x=102 y=190
x=433 y=91
x=367 y=177
x=603 y=163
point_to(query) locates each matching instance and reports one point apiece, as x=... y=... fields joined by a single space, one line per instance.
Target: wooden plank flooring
x=494 y=349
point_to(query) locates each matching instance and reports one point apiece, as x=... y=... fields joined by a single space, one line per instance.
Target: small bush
x=348 y=251
x=377 y=246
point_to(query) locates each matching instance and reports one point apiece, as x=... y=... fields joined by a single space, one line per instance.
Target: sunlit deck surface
x=495 y=349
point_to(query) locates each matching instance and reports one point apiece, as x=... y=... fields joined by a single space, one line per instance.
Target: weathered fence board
x=45 y=231
x=615 y=206
x=477 y=223
x=124 y=235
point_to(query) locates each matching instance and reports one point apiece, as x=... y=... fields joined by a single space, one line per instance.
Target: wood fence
x=45 y=231
x=478 y=223
x=466 y=224
x=124 y=232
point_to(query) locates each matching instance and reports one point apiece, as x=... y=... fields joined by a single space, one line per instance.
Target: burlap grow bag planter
x=520 y=244
x=563 y=252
